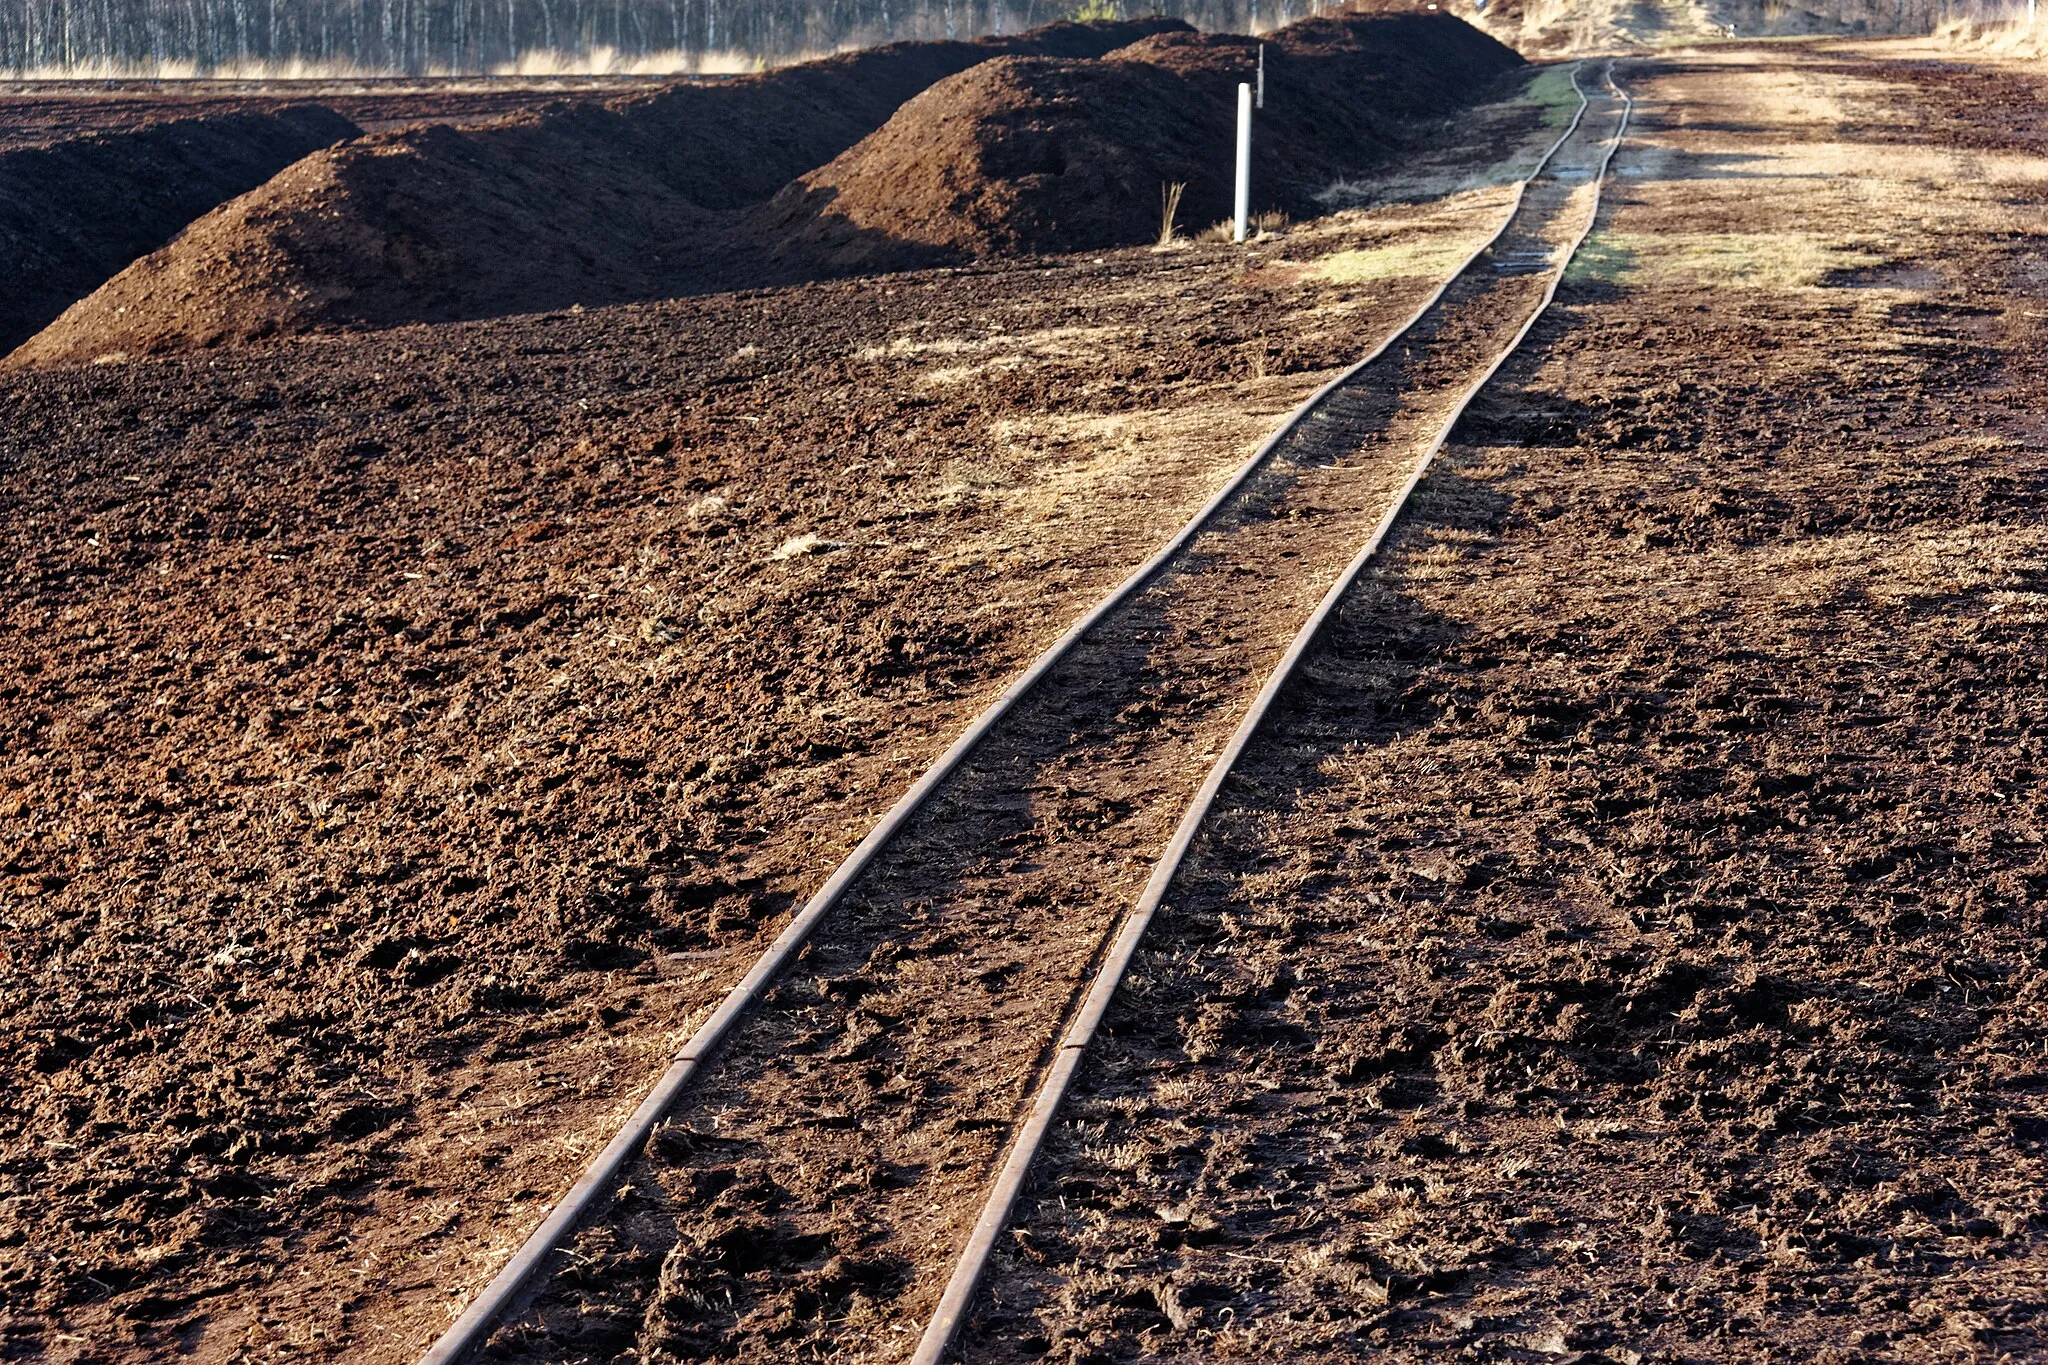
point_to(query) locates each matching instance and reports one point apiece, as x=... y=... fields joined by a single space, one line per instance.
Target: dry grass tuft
x=1271 y=223
x=796 y=547
x=1169 y=209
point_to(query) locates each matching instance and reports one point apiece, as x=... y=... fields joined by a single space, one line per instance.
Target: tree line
x=414 y=37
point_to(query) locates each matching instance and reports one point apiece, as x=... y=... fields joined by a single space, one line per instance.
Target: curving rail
x=959 y=1292
x=480 y=1316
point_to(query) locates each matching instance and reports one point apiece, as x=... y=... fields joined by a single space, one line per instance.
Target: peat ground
x=38 y=113
x=408 y=735
x=1630 y=944
x=1627 y=948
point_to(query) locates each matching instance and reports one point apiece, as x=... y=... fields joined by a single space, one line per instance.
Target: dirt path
x=1628 y=945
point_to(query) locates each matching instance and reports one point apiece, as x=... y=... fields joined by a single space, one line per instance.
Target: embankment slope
x=579 y=202
x=894 y=158
x=1024 y=155
x=76 y=210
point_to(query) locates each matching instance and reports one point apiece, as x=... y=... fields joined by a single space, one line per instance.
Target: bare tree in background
x=414 y=37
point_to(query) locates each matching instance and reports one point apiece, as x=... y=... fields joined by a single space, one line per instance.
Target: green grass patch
x=1552 y=92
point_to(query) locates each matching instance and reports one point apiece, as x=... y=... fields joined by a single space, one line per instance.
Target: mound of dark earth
x=75 y=211
x=1039 y=155
x=737 y=143
x=580 y=202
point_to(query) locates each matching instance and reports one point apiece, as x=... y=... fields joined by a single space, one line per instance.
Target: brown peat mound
x=581 y=202
x=1040 y=156
x=430 y=224
x=73 y=212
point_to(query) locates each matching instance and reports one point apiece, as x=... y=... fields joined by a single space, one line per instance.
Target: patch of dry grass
x=1419 y=257
x=1739 y=260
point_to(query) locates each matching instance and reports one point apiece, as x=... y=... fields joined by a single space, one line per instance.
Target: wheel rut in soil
x=812 y=1189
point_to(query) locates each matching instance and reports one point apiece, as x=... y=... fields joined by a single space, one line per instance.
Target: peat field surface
x=1628 y=944
x=407 y=736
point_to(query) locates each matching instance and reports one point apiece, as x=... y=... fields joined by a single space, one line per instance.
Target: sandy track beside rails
x=1629 y=945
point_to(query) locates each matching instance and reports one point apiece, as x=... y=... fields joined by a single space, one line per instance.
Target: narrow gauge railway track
x=865 y=1103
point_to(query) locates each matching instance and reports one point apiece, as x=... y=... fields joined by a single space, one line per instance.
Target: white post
x=1243 y=213
x=1260 y=98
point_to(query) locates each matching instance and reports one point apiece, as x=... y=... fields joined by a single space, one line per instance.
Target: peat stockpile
x=580 y=202
x=1039 y=155
x=74 y=212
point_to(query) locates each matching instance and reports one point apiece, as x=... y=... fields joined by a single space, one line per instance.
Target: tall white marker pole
x=1259 y=98
x=1243 y=213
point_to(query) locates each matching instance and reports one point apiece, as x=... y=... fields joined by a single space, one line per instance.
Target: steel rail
x=469 y=1330
x=960 y=1289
